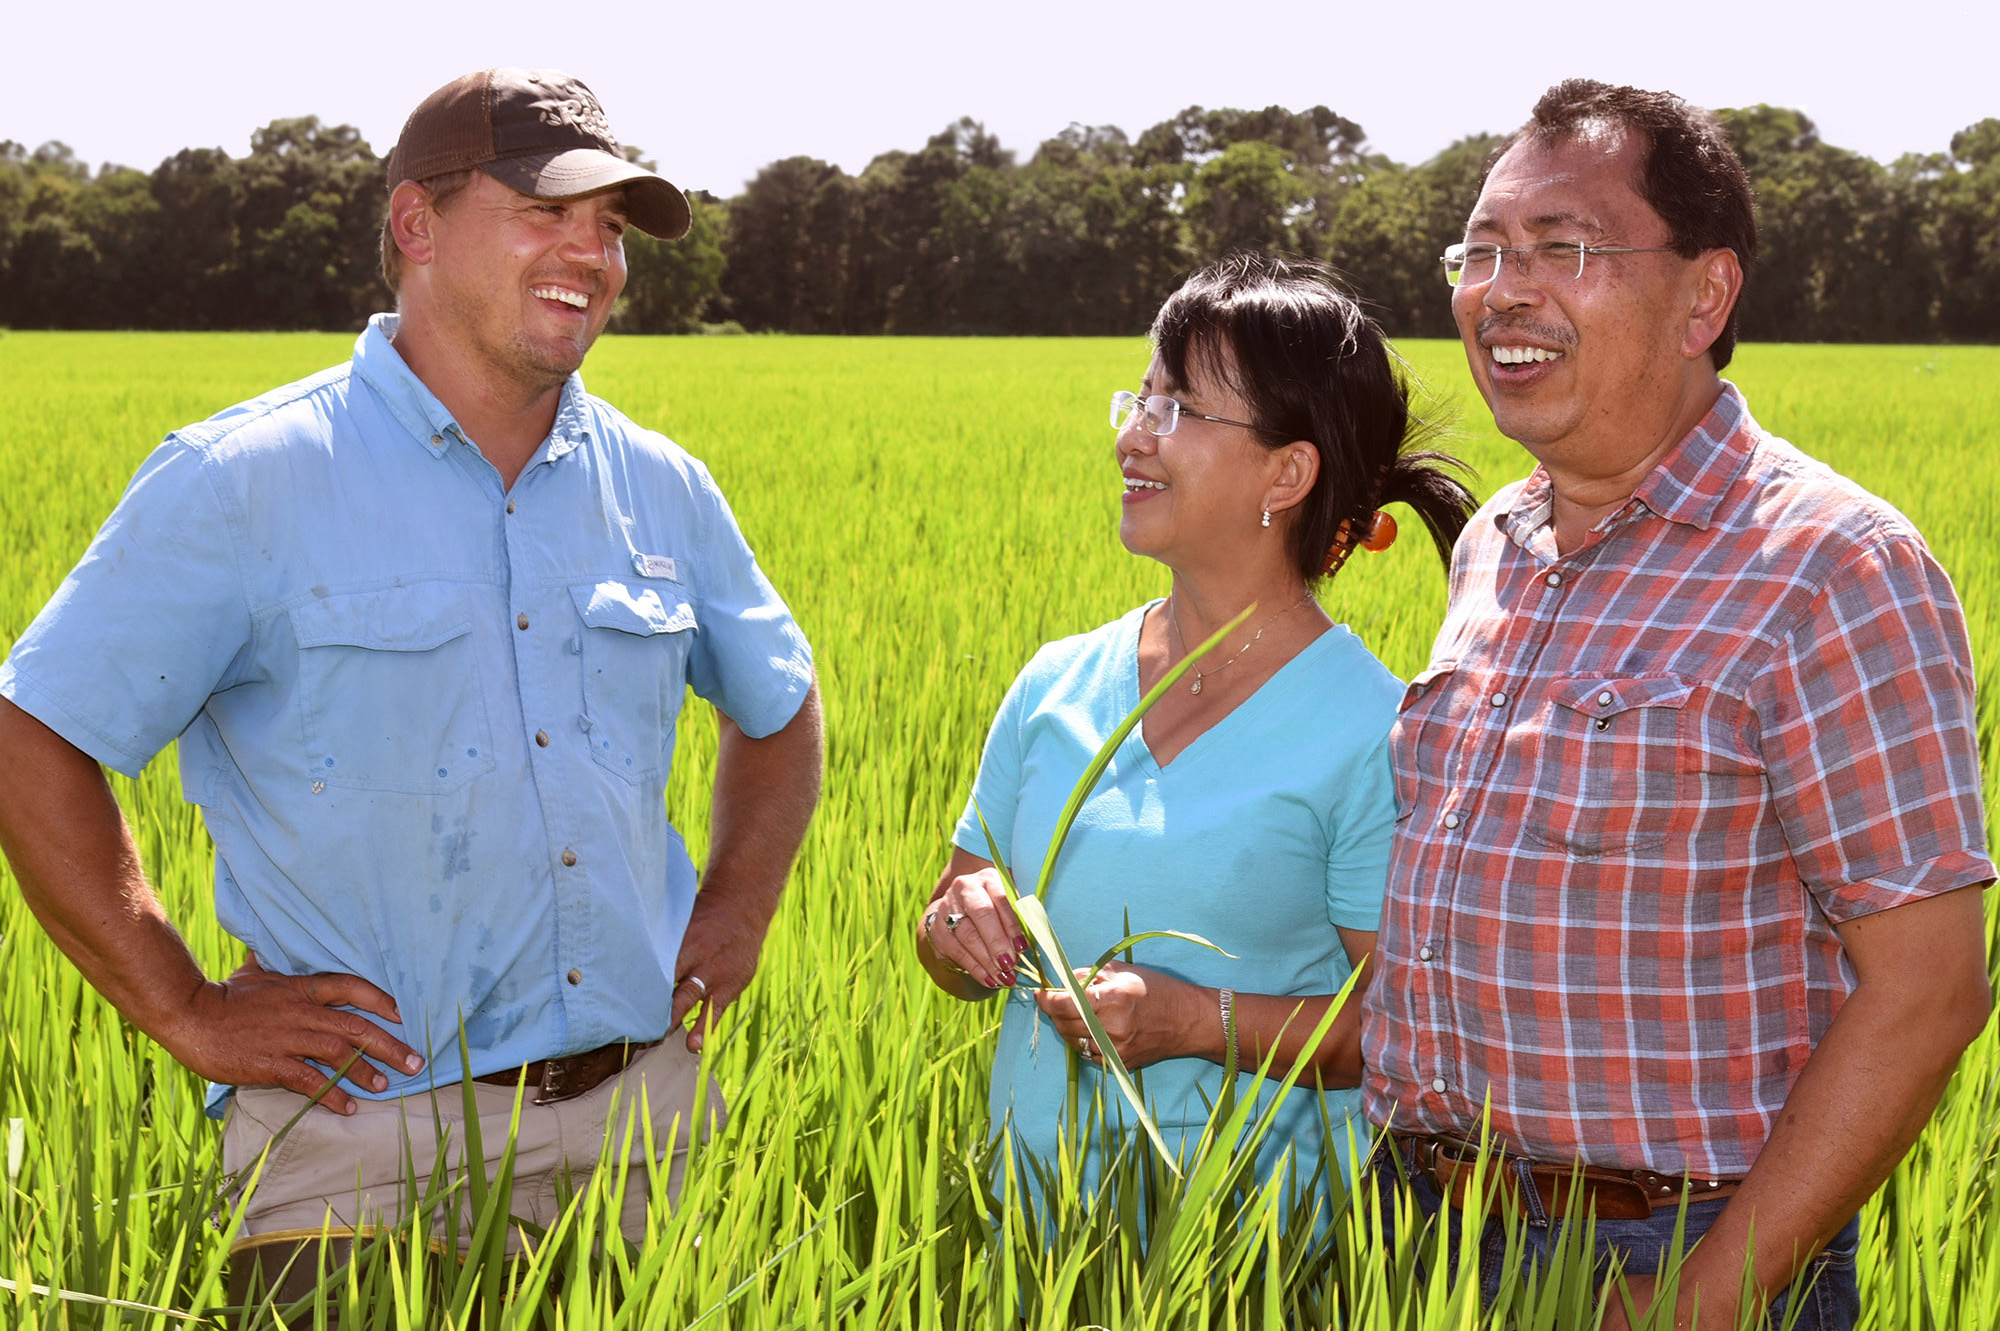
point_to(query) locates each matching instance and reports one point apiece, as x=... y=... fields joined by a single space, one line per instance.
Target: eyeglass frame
x=1528 y=253
x=1180 y=409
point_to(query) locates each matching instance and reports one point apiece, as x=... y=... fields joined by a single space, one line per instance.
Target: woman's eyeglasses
x=1157 y=413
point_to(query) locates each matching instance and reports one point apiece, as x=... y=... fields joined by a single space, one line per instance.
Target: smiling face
x=1193 y=497
x=1587 y=374
x=525 y=285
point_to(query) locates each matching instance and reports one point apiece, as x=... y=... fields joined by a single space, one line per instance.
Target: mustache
x=1548 y=334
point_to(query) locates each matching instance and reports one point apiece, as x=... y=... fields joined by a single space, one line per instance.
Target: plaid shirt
x=1637 y=787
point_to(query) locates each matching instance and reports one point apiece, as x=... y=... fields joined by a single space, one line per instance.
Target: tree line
x=1087 y=235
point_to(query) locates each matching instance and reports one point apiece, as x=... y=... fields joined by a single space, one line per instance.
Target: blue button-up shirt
x=429 y=721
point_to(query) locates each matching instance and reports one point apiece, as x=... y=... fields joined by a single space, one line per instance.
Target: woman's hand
x=1148 y=1014
x=968 y=932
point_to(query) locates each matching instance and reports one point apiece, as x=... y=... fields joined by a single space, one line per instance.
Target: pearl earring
x=1267 y=517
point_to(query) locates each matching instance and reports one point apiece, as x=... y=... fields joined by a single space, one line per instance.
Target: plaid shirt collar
x=1685 y=487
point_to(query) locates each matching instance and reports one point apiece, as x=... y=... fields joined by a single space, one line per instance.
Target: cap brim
x=654 y=205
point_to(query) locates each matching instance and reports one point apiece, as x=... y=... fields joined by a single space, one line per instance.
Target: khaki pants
x=344 y=1177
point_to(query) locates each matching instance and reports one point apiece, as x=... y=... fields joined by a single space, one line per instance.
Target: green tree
x=789 y=236
x=309 y=219
x=1392 y=228
x=49 y=268
x=669 y=283
x=1968 y=235
x=197 y=191
x=1843 y=244
x=1246 y=197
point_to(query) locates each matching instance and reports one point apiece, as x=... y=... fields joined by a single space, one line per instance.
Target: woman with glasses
x=1254 y=804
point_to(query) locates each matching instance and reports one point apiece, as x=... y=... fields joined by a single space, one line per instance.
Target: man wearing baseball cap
x=422 y=624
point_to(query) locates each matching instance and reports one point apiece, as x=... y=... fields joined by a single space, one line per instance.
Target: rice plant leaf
x=1088 y=781
x=1133 y=940
x=1034 y=915
x=97 y=1300
x=1006 y=882
x=1036 y=921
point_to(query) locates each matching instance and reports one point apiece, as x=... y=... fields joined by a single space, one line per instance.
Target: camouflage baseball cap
x=538 y=131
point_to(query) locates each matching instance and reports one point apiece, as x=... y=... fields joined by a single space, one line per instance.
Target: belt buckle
x=555 y=1080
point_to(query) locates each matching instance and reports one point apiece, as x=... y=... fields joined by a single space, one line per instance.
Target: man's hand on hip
x=259 y=1028
x=80 y=873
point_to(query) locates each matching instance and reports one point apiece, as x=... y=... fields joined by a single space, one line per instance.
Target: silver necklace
x=1173 y=618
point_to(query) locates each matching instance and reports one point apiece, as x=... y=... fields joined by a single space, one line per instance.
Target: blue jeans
x=1831 y=1301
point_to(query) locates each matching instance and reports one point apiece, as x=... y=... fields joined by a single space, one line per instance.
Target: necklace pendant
x=1195 y=688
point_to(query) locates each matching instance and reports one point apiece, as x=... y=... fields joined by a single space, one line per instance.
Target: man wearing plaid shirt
x=1690 y=790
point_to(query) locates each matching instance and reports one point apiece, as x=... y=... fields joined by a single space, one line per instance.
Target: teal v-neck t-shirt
x=1265 y=833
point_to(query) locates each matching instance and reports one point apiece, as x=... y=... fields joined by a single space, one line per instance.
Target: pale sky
x=715 y=91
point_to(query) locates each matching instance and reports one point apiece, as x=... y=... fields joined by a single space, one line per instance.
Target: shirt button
x=1604 y=698
x=542 y=738
x=1437 y=1083
x=437 y=441
x=569 y=859
x=510 y=506
x=576 y=977
x=1424 y=953
x=1554 y=579
x=521 y=620
x=1499 y=700
x=1451 y=820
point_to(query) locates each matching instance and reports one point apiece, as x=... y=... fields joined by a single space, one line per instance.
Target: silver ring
x=1084 y=1046
x=951 y=922
x=698 y=983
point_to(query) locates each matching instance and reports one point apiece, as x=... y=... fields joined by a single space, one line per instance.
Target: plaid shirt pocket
x=1608 y=771
x=1419 y=709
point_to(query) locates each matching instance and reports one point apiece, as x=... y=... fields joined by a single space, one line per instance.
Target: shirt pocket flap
x=640 y=610
x=1596 y=696
x=1421 y=684
x=389 y=619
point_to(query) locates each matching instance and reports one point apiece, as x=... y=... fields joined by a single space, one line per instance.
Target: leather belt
x=558 y=1079
x=1545 y=1190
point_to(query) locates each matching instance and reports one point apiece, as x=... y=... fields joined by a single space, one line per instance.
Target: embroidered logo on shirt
x=655 y=566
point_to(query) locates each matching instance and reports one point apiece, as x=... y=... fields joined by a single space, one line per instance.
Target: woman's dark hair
x=1312 y=366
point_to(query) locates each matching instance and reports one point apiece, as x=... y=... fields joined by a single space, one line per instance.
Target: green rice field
x=933 y=510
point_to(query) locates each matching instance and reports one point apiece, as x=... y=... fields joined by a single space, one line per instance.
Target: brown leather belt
x=557 y=1079
x=1542 y=1190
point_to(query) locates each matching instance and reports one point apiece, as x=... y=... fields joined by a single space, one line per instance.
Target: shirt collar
x=1685 y=487
x=429 y=422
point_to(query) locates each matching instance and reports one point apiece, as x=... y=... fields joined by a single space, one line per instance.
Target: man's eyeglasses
x=1549 y=261
x=1158 y=414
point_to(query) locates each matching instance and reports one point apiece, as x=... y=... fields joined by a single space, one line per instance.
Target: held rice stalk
x=1034 y=915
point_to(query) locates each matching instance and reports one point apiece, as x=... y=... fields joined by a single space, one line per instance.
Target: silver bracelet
x=1229 y=1029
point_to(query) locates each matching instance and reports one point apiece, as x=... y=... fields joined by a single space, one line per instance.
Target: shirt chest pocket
x=634 y=646
x=1422 y=747
x=390 y=696
x=1608 y=770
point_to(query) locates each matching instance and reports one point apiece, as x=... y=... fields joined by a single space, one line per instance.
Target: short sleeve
x=1869 y=738
x=996 y=793
x=749 y=657
x=1357 y=857
x=149 y=624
